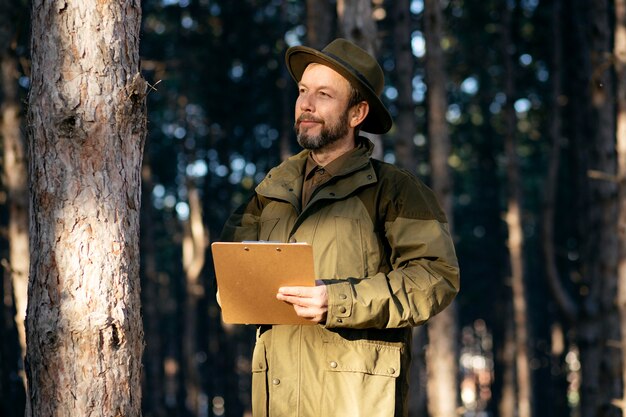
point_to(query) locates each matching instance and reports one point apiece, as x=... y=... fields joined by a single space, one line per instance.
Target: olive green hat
x=357 y=66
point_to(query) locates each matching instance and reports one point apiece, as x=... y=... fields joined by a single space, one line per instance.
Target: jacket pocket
x=350 y=251
x=259 y=381
x=360 y=379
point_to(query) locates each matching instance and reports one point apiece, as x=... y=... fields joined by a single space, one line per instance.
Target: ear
x=358 y=113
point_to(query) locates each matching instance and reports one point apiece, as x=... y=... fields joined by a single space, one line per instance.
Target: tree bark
x=513 y=220
x=443 y=331
x=88 y=122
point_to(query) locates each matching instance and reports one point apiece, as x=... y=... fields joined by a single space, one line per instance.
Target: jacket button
x=369 y=177
x=391 y=371
x=342 y=309
x=333 y=364
x=342 y=296
x=275 y=381
x=339 y=321
x=332 y=194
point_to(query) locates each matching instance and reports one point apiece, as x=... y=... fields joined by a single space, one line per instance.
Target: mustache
x=308 y=118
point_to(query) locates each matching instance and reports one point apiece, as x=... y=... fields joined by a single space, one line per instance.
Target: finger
x=295 y=300
x=295 y=291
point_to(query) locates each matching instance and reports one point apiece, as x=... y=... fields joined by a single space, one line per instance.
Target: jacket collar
x=284 y=182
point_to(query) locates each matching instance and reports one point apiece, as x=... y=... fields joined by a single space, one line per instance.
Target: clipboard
x=248 y=277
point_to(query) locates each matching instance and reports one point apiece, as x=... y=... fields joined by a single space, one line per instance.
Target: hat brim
x=378 y=119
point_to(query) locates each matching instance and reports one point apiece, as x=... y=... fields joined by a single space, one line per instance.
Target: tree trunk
x=357 y=25
x=405 y=119
x=619 y=51
x=319 y=21
x=88 y=121
x=15 y=173
x=15 y=178
x=564 y=301
x=507 y=404
x=442 y=349
x=194 y=247
x=513 y=220
x=153 y=381
x=599 y=332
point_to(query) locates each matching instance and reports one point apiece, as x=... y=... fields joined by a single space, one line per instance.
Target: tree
x=319 y=21
x=404 y=70
x=443 y=332
x=87 y=124
x=599 y=324
x=14 y=170
x=513 y=218
x=355 y=23
x=619 y=49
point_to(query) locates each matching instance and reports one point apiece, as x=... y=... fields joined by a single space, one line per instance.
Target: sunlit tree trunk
x=620 y=69
x=356 y=23
x=513 y=220
x=15 y=180
x=405 y=119
x=194 y=247
x=442 y=329
x=507 y=404
x=88 y=121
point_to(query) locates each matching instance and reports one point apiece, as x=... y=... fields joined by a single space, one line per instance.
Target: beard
x=328 y=135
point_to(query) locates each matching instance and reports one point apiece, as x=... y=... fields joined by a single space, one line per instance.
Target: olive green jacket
x=382 y=246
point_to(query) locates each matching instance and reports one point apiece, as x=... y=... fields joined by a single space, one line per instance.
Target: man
x=384 y=258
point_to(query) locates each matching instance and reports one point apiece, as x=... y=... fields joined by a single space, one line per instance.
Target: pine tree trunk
x=513 y=220
x=566 y=304
x=405 y=119
x=619 y=50
x=194 y=247
x=599 y=332
x=442 y=329
x=15 y=172
x=153 y=381
x=507 y=404
x=15 y=178
x=319 y=21
x=88 y=121
x=357 y=25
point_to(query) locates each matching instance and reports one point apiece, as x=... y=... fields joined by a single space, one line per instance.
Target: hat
x=357 y=66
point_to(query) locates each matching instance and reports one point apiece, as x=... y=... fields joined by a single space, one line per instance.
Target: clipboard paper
x=248 y=277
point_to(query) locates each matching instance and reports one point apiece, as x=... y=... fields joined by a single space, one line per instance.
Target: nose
x=305 y=103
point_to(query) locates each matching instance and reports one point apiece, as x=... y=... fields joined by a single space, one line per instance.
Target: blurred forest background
x=510 y=109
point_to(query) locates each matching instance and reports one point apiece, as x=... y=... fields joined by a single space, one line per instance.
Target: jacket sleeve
x=422 y=276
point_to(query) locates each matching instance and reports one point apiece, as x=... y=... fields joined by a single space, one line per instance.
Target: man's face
x=321 y=108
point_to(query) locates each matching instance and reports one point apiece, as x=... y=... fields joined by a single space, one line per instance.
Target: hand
x=308 y=302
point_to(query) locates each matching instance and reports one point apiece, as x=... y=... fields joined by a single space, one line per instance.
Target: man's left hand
x=309 y=302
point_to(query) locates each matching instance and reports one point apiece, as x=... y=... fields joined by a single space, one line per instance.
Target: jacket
x=382 y=246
